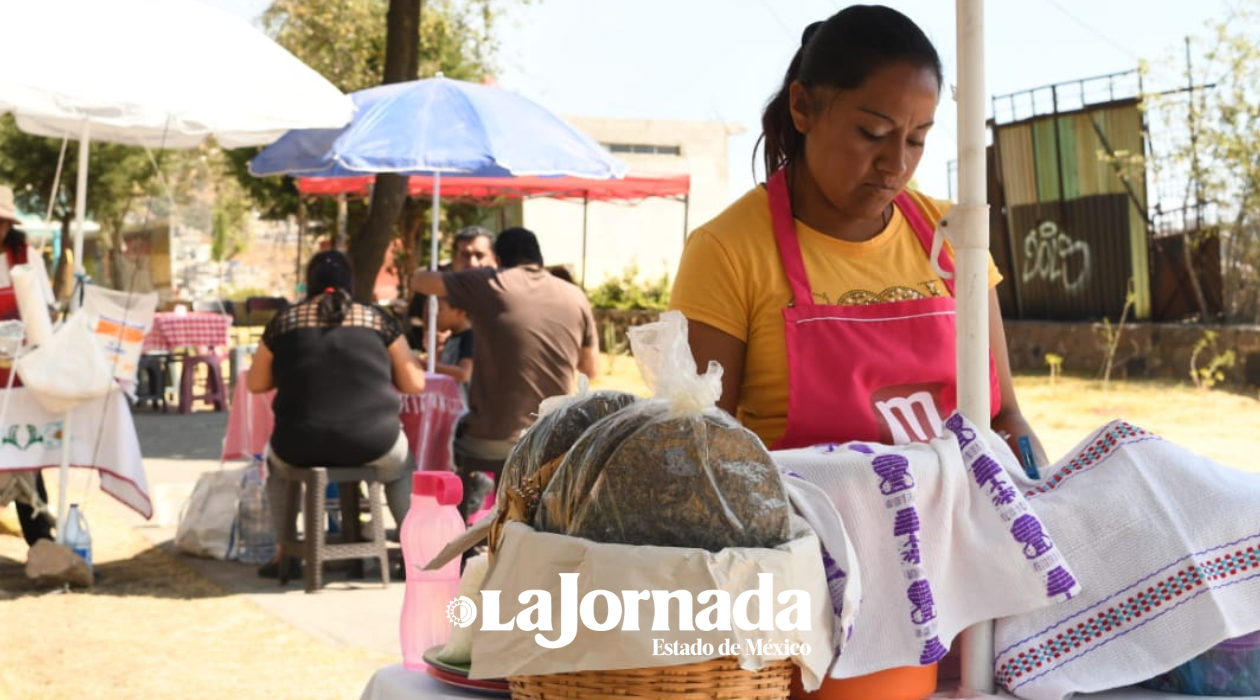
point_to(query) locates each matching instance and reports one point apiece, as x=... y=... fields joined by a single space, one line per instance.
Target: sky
x=721 y=60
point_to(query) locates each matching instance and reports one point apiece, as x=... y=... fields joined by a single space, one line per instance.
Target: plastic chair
x=214 y=392
x=305 y=492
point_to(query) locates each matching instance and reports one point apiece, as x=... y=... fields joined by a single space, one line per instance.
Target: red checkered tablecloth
x=197 y=328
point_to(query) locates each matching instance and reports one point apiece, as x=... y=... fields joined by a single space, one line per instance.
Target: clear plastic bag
x=673 y=470
x=560 y=421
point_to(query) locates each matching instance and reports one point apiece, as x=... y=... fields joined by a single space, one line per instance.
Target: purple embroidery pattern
x=906 y=524
x=836 y=578
x=1027 y=529
x=894 y=473
x=987 y=472
x=933 y=651
x=920 y=595
x=956 y=425
x=1060 y=582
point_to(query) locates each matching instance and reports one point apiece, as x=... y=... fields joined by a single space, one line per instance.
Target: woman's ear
x=800 y=106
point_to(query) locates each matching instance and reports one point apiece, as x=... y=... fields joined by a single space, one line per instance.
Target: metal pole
x=969 y=232
x=342 y=216
x=585 y=203
x=80 y=211
x=430 y=329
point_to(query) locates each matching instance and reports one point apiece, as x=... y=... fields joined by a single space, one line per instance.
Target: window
x=644 y=149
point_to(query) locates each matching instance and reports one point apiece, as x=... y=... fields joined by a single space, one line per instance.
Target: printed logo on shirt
x=907 y=413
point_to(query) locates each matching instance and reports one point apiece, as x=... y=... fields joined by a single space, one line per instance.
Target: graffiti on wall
x=1054 y=257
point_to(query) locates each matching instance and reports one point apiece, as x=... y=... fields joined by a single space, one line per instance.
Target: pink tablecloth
x=428 y=419
x=172 y=330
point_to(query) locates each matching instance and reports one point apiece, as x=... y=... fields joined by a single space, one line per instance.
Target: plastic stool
x=214 y=392
x=305 y=491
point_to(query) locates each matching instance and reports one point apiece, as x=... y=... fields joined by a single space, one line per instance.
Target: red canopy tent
x=632 y=188
x=629 y=188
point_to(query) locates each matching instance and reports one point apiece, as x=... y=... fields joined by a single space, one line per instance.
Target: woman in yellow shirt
x=816 y=291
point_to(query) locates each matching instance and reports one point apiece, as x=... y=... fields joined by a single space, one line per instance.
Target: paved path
x=177 y=449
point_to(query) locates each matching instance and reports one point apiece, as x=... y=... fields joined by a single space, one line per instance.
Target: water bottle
x=77 y=536
x=255 y=541
x=431 y=523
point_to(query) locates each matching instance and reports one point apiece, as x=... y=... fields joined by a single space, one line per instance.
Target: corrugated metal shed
x=1075 y=203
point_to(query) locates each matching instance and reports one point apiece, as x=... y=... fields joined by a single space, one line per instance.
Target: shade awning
x=632 y=187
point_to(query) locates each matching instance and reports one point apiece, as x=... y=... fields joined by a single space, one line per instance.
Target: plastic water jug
x=255 y=539
x=77 y=536
x=431 y=523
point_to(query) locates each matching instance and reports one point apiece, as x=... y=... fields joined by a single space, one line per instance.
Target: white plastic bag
x=205 y=530
x=67 y=370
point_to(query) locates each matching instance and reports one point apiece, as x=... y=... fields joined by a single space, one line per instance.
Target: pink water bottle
x=431 y=523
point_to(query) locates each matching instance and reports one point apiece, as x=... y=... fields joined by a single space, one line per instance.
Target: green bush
x=628 y=293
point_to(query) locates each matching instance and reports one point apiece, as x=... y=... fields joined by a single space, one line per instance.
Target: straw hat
x=8 y=209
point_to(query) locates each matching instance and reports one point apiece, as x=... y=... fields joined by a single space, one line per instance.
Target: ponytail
x=780 y=141
x=333 y=306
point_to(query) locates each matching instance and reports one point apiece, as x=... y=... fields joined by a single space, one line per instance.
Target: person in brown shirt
x=534 y=331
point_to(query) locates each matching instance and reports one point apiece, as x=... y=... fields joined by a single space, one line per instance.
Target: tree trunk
x=368 y=246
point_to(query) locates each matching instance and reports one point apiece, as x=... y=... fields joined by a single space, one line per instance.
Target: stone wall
x=1146 y=350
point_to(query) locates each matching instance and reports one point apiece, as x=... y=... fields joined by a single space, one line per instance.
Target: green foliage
x=121 y=180
x=1208 y=139
x=1205 y=378
x=628 y=293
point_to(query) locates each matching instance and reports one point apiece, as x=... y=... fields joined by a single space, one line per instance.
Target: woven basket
x=717 y=679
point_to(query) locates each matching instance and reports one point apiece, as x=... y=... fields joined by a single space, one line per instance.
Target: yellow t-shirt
x=731 y=278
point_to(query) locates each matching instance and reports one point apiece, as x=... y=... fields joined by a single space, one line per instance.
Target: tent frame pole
x=968 y=227
x=430 y=329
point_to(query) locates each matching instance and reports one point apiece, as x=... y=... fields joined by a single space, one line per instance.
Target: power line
x=1089 y=28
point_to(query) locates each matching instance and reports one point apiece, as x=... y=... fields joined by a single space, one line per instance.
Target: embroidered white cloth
x=103 y=437
x=943 y=537
x=1166 y=546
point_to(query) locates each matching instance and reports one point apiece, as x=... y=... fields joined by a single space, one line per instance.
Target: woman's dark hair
x=330 y=271
x=841 y=53
x=517 y=246
x=15 y=242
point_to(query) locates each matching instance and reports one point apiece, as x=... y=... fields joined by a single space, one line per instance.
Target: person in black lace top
x=337 y=367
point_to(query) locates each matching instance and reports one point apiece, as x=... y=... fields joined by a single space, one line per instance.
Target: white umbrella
x=162 y=74
x=155 y=73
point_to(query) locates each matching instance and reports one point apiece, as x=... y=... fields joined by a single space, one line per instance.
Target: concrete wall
x=650 y=233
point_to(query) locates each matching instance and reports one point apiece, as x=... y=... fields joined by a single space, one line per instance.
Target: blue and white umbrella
x=442 y=128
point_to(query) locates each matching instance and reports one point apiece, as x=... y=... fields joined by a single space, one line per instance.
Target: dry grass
x=155 y=629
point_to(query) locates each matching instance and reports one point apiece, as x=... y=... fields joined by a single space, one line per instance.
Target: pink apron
x=880 y=372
